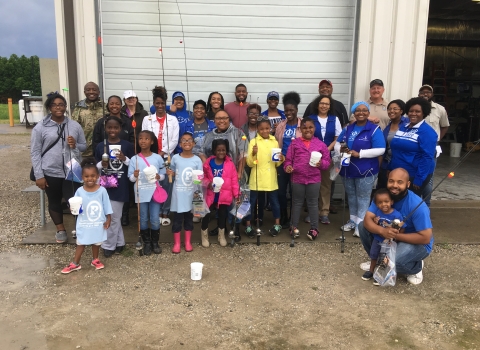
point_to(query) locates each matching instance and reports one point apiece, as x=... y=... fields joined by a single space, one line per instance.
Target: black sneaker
x=119 y=249
x=275 y=230
x=312 y=234
x=367 y=276
x=108 y=253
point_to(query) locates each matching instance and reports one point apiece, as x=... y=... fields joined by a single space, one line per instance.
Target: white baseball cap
x=129 y=93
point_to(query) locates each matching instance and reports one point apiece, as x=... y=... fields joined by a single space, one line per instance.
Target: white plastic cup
x=346 y=159
x=197 y=177
x=276 y=154
x=315 y=157
x=150 y=173
x=75 y=205
x=196 y=269
x=217 y=184
x=114 y=150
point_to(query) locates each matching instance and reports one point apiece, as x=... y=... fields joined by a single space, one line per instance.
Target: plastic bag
x=74 y=171
x=385 y=272
x=335 y=170
x=243 y=209
x=199 y=205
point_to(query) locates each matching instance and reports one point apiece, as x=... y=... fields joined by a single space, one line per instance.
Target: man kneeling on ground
x=416 y=243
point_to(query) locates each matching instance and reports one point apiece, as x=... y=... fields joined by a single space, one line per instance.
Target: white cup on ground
x=75 y=205
x=345 y=159
x=196 y=269
x=217 y=184
x=197 y=176
x=150 y=173
x=315 y=157
x=276 y=154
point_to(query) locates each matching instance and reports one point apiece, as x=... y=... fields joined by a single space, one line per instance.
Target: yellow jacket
x=267 y=172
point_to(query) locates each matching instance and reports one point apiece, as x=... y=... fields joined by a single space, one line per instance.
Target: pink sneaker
x=97 y=264
x=71 y=267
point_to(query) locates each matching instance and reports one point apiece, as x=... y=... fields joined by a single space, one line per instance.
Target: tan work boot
x=205 y=242
x=221 y=237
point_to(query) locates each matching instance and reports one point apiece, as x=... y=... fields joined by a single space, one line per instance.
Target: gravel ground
x=267 y=297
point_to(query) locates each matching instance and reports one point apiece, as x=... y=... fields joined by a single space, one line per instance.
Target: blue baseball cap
x=273 y=94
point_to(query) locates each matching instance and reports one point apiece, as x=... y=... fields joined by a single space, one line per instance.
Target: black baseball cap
x=376 y=82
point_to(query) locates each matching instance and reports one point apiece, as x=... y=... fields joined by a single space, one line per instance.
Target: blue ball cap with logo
x=273 y=94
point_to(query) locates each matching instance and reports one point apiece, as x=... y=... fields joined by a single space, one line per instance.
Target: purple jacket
x=298 y=156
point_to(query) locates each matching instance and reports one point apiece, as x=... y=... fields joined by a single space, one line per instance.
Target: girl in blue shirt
x=94 y=218
x=149 y=209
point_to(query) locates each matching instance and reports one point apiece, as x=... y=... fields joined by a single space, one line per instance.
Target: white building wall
x=391 y=46
x=61 y=48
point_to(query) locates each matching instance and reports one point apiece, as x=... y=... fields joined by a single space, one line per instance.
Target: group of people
x=390 y=145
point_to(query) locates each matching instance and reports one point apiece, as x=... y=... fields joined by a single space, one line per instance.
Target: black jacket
x=126 y=133
x=338 y=108
x=140 y=113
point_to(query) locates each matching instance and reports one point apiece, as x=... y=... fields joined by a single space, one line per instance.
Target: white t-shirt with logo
x=323 y=125
x=183 y=188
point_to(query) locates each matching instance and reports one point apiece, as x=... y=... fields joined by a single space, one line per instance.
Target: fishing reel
x=139 y=245
x=231 y=236
x=396 y=224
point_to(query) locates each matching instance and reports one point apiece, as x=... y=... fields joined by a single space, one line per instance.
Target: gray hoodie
x=238 y=146
x=53 y=162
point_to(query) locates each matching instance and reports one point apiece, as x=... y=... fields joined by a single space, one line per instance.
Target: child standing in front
x=263 y=176
x=182 y=167
x=219 y=165
x=384 y=216
x=92 y=223
x=120 y=152
x=149 y=209
x=306 y=178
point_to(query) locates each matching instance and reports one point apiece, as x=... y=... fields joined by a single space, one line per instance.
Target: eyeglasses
x=60 y=105
x=361 y=111
x=221 y=118
x=324 y=104
x=253 y=114
x=393 y=109
x=186 y=141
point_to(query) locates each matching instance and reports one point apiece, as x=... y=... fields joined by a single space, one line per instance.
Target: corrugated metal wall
x=267 y=45
x=391 y=47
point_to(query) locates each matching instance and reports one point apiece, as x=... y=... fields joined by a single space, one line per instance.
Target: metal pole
x=42 y=207
x=10 y=112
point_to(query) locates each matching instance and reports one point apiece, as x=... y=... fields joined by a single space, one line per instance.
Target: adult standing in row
x=274 y=114
x=53 y=141
x=364 y=142
x=287 y=130
x=325 y=88
x=215 y=103
x=413 y=146
x=237 y=110
x=165 y=127
x=178 y=108
x=199 y=126
x=327 y=129
x=133 y=109
x=87 y=112
x=396 y=111
x=438 y=120
x=378 y=105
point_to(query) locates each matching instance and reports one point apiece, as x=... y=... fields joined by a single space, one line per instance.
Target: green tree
x=17 y=74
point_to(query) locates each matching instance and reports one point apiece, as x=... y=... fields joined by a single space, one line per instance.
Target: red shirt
x=306 y=142
x=161 y=121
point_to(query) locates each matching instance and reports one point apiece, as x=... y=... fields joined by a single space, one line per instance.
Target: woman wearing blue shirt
x=414 y=145
x=396 y=111
x=364 y=142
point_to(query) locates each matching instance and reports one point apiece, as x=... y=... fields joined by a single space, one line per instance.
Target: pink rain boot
x=188 y=245
x=176 y=243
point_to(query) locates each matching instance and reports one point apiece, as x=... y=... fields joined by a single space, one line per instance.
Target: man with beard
x=416 y=243
x=438 y=120
x=326 y=88
x=237 y=110
x=87 y=112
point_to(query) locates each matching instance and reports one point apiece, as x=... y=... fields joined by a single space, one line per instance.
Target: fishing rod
x=184 y=51
x=450 y=174
x=258 y=231
x=105 y=155
x=138 y=245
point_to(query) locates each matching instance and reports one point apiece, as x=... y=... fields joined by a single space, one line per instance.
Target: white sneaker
x=356 y=233
x=196 y=219
x=350 y=225
x=417 y=278
x=365 y=266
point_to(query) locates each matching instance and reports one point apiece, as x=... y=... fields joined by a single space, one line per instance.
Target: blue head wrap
x=354 y=107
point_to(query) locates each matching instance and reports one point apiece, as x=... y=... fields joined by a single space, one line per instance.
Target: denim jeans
x=408 y=259
x=427 y=191
x=272 y=196
x=283 y=181
x=149 y=211
x=358 y=192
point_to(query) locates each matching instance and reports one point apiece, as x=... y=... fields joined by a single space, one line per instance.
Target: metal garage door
x=265 y=44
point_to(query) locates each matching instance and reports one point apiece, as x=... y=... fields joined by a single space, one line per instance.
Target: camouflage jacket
x=87 y=114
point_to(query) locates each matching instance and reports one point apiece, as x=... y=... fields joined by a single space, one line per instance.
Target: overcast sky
x=27 y=27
